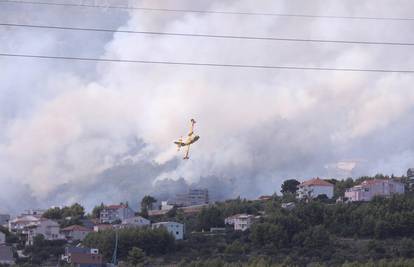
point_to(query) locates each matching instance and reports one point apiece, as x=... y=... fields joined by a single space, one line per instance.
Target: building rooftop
x=316 y=181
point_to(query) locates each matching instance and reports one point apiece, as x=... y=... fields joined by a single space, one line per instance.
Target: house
x=374 y=187
x=136 y=221
x=6 y=255
x=315 y=187
x=175 y=228
x=241 y=222
x=2 y=238
x=75 y=232
x=83 y=257
x=49 y=229
x=90 y=223
x=4 y=219
x=19 y=223
x=230 y=220
x=113 y=213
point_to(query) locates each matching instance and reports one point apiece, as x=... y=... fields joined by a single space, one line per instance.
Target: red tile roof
x=317 y=182
x=374 y=181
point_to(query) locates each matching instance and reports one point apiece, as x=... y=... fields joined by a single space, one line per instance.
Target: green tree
x=147 y=203
x=290 y=186
x=210 y=217
x=135 y=256
x=96 y=212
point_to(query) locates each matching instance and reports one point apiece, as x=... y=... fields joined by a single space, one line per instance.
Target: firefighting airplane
x=191 y=139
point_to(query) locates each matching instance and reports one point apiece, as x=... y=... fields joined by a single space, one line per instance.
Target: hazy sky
x=93 y=132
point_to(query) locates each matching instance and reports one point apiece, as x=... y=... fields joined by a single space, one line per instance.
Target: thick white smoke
x=91 y=132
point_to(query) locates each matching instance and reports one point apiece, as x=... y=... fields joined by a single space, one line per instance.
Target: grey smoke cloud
x=93 y=132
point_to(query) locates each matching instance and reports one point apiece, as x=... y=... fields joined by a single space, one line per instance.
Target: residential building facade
x=136 y=221
x=19 y=223
x=240 y=222
x=113 y=213
x=175 y=228
x=375 y=187
x=315 y=187
x=49 y=229
x=75 y=232
x=83 y=257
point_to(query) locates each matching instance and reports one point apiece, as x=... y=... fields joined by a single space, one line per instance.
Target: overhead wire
x=206 y=35
x=200 y=64
x=207 y=11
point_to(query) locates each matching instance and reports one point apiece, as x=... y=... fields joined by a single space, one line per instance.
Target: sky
x=93 y=132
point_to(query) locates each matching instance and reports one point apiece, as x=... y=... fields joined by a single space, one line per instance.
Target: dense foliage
x=43 y=250
x=152 y=242
x=67 y=215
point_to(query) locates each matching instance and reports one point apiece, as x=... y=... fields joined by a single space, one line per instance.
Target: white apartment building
x=19 y=223
x=175 y=228
x=315 y=187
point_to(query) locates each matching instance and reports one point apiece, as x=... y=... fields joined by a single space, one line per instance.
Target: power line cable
x=205 y=64
x=206 y=35
x=208 y=11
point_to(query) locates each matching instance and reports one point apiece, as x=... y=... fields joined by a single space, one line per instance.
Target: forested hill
x=322 y=232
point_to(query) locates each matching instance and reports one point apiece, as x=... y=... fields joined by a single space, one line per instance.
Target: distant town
x=76 y=236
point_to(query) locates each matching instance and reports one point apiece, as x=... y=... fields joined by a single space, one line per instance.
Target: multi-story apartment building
x=193 y=197
x=114 y=213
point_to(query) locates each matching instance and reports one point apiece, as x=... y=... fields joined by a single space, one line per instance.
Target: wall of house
x=316 y=191
x=176 y=229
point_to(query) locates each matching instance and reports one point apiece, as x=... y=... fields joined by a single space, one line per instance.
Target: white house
x=2 y=238
x=19 y=223
x=241 y=222
x=136 y=221
x=48 y=228
x=75 y=232
x=175 y=228
x=315 y=187
x=113 y=213
x=375 y=187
